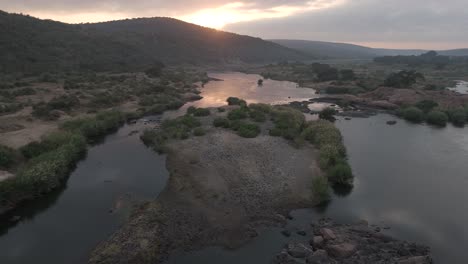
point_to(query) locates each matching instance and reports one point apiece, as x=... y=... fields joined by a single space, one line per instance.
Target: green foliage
x=48 y=143
x=221 y=122
x=427 y=105
x=437 y=118
x=155 y=70
x=221 y=110
x=340 y=173
x=199 y=131
x=24 y=91
x=347 y=75
x=42 y=173
x=236 y=101
x=288 y=122
x=320 y=189
x=202 y=112
x=237 y=114
x=328 y=114
x=94 y=128
x=265 y=108
x=257 y=116
x=458 y=117
x=7 y=157
x=63 y=103
x=179 y=128
x=248 y=130
x=191 y=110
x=413 y=114
x=403 y=79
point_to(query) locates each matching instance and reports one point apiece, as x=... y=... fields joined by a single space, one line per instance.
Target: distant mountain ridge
x=33 y=45
x=332 y=50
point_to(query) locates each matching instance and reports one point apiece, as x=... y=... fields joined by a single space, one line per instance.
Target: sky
x=425 y=24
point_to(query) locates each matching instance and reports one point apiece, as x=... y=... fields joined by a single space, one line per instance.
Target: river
x=411 y=178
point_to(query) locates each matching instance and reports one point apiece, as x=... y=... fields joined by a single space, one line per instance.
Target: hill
x=32 y=45
x=331 y=50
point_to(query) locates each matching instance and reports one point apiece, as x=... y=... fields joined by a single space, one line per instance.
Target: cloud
x=416 y=22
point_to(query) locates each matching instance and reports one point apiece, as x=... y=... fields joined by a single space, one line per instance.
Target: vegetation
x=437 y=118
x=288 y=122
x=237 y=114
x=47 y=144
x=202 y=112
x=236 y=101
x=429 y=58
x=403 y=79
x=248 y=130
x=458 y=117
x=42 y=173
x=199 y=131
x=221 y=122
x=94 y=128
x=328 y=114
x=7 y=157
x=179 y=128
x=427 y=105
x=413 y=114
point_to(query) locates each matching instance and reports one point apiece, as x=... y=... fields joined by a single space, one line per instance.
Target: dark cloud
x=416 y=21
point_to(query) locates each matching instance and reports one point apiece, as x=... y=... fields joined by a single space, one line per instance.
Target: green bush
x=320 y=189
x=413 y=114
x=458 y=117
x=202 y=112
x=94 y=128
x=42 y=173
x=288 y=122
x=236 y=101
x=248 y=130
x=258 y=116
x=7 y=157
x=426 y=105
x=199 y=131
x=237 y=114
x=191 y=110
x=341 y=173
x=221 y=122
x=48 y=143
x=437 y=118
x=265 y=108
x=328 y=114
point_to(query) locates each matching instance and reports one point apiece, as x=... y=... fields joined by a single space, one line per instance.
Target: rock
x=378 y=229
x=348 y=118
x=344 y=250
x=416 y=260
x=301 y=233
x=391 y=123
x=298 y=250
x=284 y=258
x=327 y=234
x=289 y=217
x=318 y=242
x=318 y=257
x=286 y=233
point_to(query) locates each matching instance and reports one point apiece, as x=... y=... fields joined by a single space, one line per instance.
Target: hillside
x=331 y=50
x=33 y=45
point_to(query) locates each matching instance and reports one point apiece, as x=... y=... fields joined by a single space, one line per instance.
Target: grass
x=321 y=189
x=7 y=157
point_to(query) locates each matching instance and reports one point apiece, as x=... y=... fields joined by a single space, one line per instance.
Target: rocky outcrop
x=332 y=243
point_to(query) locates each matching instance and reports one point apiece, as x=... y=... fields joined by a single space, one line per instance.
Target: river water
x=411 y=178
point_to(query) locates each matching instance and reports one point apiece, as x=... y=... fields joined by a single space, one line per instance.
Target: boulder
x=318 y=242
x=327 y=234
x=286 y=233
x=318 y=257
x=298 y=250
x=344 y=250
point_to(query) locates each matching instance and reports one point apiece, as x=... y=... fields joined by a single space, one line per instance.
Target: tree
x=403 y=79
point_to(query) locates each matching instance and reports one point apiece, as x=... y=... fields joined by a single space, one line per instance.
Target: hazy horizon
x=394 y=24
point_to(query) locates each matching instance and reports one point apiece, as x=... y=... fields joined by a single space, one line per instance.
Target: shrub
x=221 y=110
x=191 y=110
x=94 y=128
x=320 y=189
x=42 y=173
x=265 y=108
x=199 y=131
x=258 y=116
x=221 y=122
x=437 y=118
x=426 y=105
x=458 y=117
x=7 y=157
x=48 y=143
x=24 y=91
x=328 y=114
x=236 y=101
x=202 y=112
x=341 y=173
x=288 y=122
x=413 y=114
x=248 y=130
x=237 y=114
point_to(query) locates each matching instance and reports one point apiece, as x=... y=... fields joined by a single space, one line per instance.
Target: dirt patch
x=222 y=187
